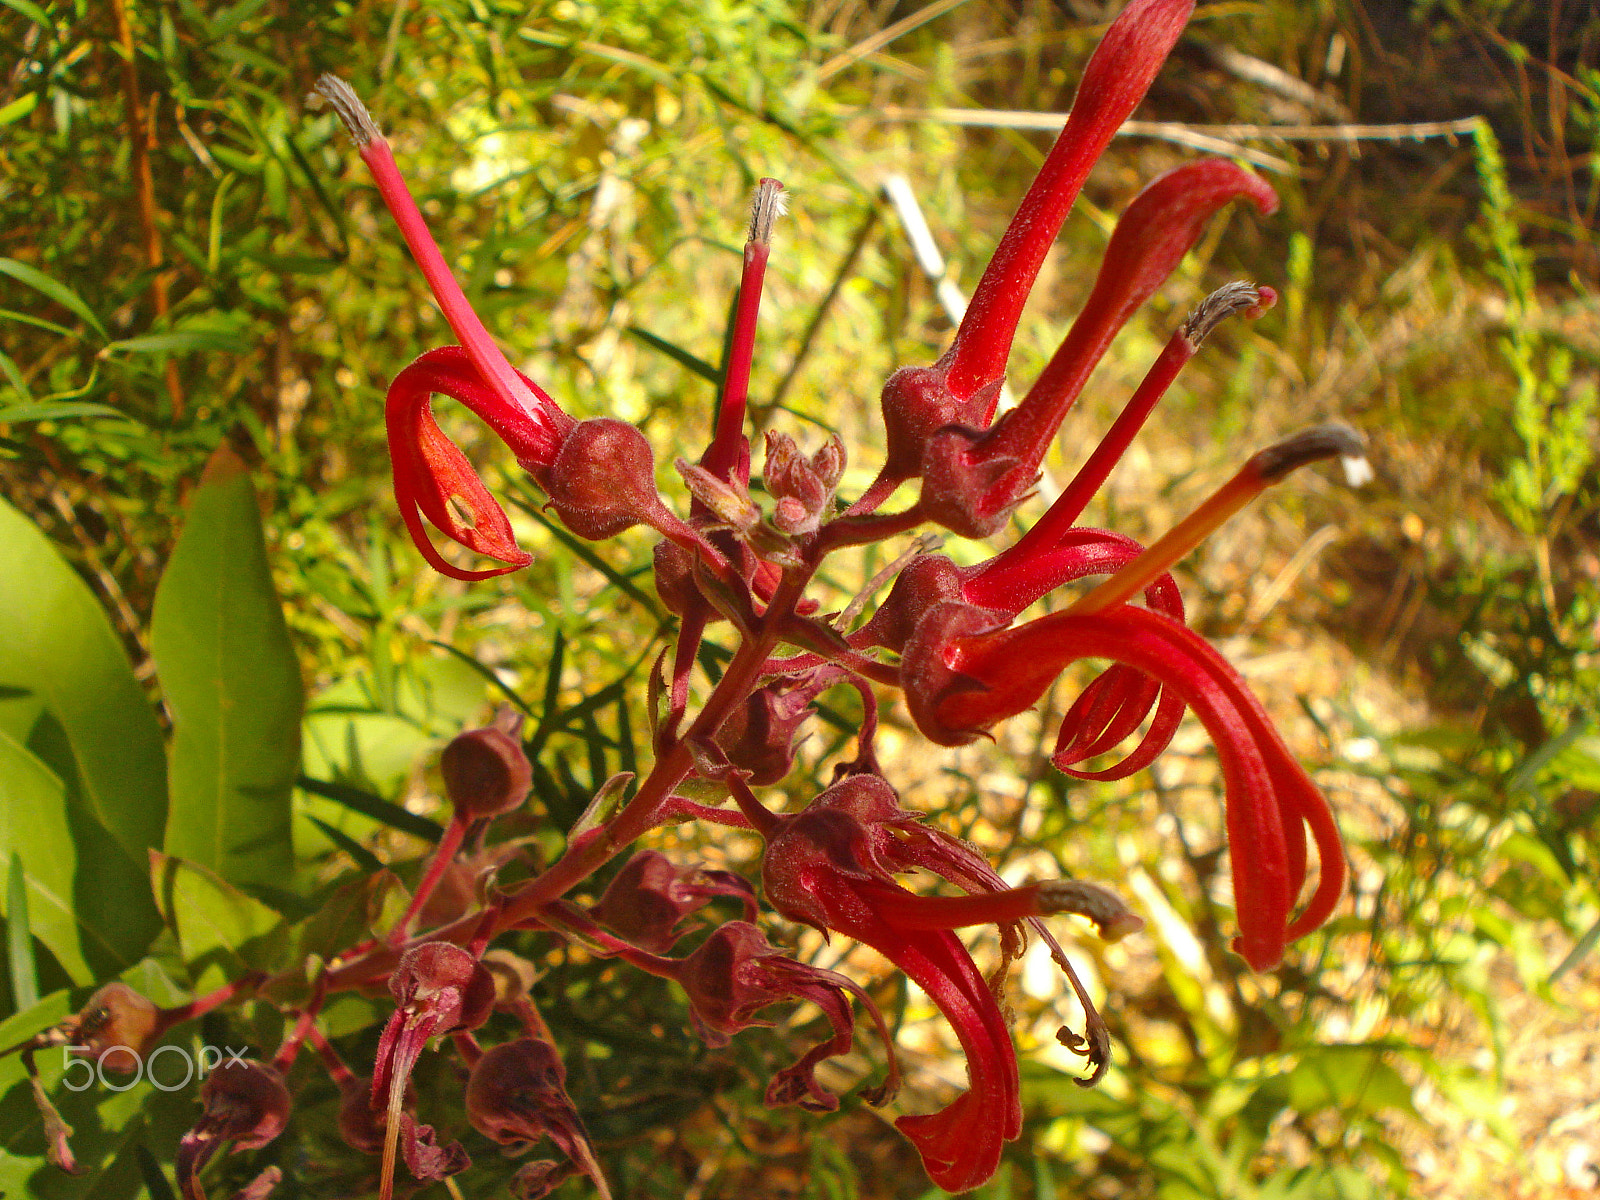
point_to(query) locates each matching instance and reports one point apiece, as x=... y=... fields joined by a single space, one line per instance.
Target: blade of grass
x=678 y=355
x=622 y=582
x=19 y=939
x=59 y=292
x=489 y=676
x=372 y=806
x=364 y=858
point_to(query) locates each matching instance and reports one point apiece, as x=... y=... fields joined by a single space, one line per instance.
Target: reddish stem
x=442 y=855
x=724 y=454
x=246 y=984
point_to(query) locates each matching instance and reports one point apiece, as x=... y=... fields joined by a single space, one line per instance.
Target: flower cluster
x=956 y=641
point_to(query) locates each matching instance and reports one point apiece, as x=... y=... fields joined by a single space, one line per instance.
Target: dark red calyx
x=486 y=774
x=603 y=479
x=926 y=581
x=444 y=977
x=245 y=1103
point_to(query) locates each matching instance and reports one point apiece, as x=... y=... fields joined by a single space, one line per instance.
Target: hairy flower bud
x=486 y=774
x=603 y=479
x=802 y=487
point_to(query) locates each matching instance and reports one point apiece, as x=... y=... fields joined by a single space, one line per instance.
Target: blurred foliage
x=190 y=256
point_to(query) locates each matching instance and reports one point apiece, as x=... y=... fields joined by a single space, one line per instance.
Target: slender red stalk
x=442 y=856
x=724 y=454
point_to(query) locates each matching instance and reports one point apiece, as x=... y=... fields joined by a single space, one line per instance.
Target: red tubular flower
x=246 y=1104
x=964 y=385
x=1115 y=704
x=433 y=479
x=971 y=480
x=964 y=673
x=832 y=866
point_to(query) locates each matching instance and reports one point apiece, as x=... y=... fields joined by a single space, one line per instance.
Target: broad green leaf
x=35 y=834
x=59 y=292
x=214 y=922
x=68 y=693
x=231 y=678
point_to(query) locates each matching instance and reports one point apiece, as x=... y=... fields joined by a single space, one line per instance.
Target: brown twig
x=1222 y=139
x=141 y=138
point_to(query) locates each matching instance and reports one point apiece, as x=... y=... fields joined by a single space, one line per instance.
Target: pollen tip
x=1107 y=910
x=357 y=120
x=768 y=204
x=1334 y=439
x=1240 y=296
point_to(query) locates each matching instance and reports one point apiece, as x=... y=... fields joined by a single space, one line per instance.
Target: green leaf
x=215 y=923
x=36 y=836
x=59 y=412
x=59 y=292
x=20 y=107
x=376 y=807
x=1348 y=1078
x=68 y=694
x=230 y=675
x=178 y=341
x=19 y=938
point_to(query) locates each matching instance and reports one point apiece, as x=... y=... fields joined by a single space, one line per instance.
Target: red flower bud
x=517 y=1095
x=603 y=480
x=803 y=488
x=118 y=1028
x=486 y=774
x=245 y=1103
x=648 y=900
